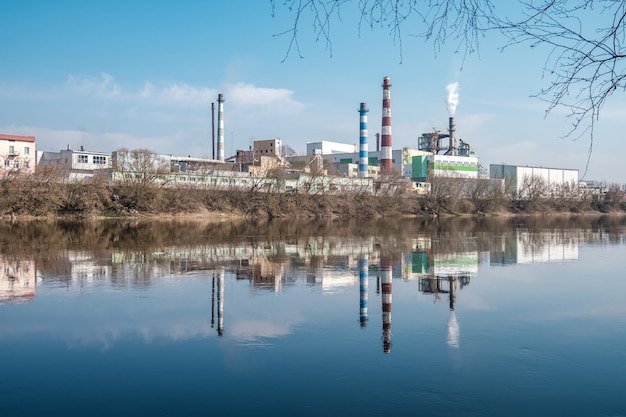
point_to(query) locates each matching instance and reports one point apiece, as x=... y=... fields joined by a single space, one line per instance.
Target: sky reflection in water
x=516 y=321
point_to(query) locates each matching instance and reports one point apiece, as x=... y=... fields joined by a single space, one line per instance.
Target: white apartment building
x=75 y=165
x=17 y=153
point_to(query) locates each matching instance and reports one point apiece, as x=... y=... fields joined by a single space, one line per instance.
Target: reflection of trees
x=146 y=243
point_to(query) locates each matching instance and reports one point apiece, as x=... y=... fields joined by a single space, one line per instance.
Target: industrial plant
x=326 y=167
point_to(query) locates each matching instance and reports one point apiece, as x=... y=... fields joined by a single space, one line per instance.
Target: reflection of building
x=524 y=247
x=17 y=280
x=441 y=284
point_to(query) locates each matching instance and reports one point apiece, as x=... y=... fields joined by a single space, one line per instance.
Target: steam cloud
x=453 y=97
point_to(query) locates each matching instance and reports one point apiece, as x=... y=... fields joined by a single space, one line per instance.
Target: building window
x=7 y=163
x=26 y=164
x=11 y=150
x=16 y=164
x=100 y=160
x=83 y=159
x=26 y=150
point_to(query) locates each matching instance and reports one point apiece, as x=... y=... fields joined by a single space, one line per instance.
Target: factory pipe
x=452 y=130
x=386 y=165
x=220 y=302
x=363 y=286
x=213 y=129
x=220 y=127
x=386 y=264
x=363 y=149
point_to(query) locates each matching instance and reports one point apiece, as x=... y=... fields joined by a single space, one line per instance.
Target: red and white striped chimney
x=386 y=266
x=386 y=161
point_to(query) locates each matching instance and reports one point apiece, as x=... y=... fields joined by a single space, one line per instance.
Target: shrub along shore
x=44 y=195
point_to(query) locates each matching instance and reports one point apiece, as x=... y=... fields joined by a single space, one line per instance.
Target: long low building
x=522 y=180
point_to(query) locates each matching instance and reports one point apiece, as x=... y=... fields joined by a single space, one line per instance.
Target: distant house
x=75 y=165
x=17 y=153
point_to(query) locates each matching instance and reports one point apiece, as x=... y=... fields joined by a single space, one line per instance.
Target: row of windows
x=99 y=160
x=16 y=164
x=12 y=150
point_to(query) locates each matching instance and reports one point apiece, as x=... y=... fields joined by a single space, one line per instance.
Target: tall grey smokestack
x=220 y=127
x=213 y=128
x=452 y=129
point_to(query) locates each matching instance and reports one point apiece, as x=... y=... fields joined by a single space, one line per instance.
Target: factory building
x=17 y=153
x=411 y=163
x=328 y=148
x=522 y=180
x=453 y=166
x=75 y=165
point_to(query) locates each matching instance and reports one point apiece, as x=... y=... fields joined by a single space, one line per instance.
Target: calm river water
x=504 y=317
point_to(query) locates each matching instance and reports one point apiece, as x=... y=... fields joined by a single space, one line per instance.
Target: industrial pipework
x=386 y=266
x=363 y=148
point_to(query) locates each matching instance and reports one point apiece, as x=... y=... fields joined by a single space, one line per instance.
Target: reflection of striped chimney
x=386 y=165
x=363 y=284
x=363 y=150
x=220 y=302
x=213 y=301
x=220 y=127
x=386 y=263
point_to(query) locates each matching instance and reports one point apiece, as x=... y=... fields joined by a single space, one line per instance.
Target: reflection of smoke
x=453 y=331
x=453 y=97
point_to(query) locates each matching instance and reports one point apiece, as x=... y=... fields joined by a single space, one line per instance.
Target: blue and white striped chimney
x=363 y=149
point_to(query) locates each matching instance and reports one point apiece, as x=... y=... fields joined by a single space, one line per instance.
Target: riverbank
x=40 y=197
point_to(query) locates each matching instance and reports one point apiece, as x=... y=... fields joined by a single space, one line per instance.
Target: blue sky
x=143 y=74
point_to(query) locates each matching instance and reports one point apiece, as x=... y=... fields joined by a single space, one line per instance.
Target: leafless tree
x=139 y=174
x=585 y=40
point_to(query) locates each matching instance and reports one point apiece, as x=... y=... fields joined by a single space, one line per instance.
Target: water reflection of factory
x=17 y=280
x=524 y=247
x=442 y=265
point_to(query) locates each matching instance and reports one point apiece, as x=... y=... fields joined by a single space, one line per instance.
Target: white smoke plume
x=453 y=97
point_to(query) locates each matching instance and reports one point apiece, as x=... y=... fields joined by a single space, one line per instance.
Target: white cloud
x=103 y=87
x=243 y=94
x=250 y=330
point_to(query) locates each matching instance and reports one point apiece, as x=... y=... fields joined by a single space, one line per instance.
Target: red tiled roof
x=17 y=137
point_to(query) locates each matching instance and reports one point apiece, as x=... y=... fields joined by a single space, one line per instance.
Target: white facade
x=17 y=153
x=403 y=161
x=327 y=148
x=454 y=166
x=75 y=165
x=520 y=178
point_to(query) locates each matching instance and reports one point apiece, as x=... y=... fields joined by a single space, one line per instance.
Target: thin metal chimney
x=213 y=128
x=363 y=149
x=220 y=127
x=386 y=162
x=452 y=149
